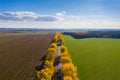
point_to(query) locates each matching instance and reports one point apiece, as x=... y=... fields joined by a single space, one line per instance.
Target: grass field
x=96 y=59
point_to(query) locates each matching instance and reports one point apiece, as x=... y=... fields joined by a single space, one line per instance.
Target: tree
x=68 y=69
x=64 y=54
x=44 y=74
x=48 y=69
x=65 y=60
x=67 y=78
x=51 y=54
x=49 y=65
x=51 y=50
x=53 y=45
x=63 y=49
x=61 y=39
x=56 y=37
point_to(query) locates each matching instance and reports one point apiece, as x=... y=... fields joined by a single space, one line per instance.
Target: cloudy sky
x=97 y=14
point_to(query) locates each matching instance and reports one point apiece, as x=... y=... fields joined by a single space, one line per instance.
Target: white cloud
x=64 y=12
x=32 y=20
x=29 y=16
x=61 y=13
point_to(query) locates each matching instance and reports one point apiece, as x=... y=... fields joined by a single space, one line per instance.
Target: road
x=58 y=65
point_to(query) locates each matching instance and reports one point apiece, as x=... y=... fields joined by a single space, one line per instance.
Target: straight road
x=58 y=65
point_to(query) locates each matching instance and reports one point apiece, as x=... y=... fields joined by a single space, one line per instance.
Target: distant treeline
x=94 y=34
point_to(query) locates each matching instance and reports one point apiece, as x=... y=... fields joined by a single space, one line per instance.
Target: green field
x=96 y=59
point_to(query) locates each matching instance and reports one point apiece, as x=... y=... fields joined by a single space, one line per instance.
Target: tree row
x=48 y=68
x=68 y=69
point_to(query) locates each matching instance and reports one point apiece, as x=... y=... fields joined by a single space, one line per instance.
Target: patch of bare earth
x=20 y=53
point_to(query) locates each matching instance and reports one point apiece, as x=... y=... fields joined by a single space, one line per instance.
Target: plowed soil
x=20 y=53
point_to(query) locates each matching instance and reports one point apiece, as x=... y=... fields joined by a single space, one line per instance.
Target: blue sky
x=102 y=11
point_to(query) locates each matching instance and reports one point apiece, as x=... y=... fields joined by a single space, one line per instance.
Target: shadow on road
x=57 y=61
x=57 y=75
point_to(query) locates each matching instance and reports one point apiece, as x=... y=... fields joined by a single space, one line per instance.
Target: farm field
x=20 y=53
x=95 y=58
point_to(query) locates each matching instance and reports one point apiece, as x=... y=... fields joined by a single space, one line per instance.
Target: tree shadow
x=42 y=62
x=57 y=75
x=57 y=61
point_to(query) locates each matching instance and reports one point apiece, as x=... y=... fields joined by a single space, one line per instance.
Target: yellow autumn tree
x=65 y=60
x=51 y=54
x=68 y=69
x=53 y=45
x=48 y=69
x=64 y=54
x=61 y=38
x=51 y=50
x=49 y=65
x=63 y=49
x=44 y=74
x=67 y=78
x=56 y=37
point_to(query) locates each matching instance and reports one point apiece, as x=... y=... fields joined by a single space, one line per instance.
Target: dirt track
x=19 y=54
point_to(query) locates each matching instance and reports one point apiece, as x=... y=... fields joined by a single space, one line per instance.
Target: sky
x=95 y=14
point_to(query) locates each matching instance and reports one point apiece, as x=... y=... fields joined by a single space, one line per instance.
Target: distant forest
x=94 y=34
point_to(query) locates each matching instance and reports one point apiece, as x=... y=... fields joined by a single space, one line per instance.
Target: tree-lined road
x=58 y=65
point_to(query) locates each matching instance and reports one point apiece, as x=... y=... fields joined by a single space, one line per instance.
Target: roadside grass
x=95 y=58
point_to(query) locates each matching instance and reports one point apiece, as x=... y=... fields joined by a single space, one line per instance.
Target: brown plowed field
x=20 y=53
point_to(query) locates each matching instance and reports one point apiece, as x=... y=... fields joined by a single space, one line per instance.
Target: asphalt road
x=58 y=74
